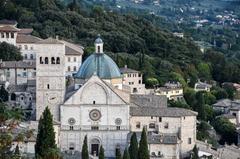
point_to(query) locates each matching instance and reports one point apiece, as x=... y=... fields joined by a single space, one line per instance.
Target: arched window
x=58 y=60
x=138 y=125
x=53 y=60
x=98 y=49
x=46 y=60
x=152 y=126
x=41 y=60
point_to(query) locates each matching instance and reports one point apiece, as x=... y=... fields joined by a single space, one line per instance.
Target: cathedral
x=95 y=98
x=94 y=106
x=99 y=105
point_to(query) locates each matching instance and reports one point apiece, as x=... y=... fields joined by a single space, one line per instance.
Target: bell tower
x=50 y=77
x=98 y=45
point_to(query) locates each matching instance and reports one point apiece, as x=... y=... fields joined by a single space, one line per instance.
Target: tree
x=101 y=153
x=226 y=129
x=46 y=136
x=200 y=105
x=7 y=129
x=151 y=82
x=9 y=52
x=143 y=152
x=190 y=96
x=85 y=149
x=133 y=148
x=195 y=153
x=118 y=154
x=17 y=153
x=3 y=94
x=126 y=154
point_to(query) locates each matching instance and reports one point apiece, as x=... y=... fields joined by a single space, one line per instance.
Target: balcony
x=94 y=127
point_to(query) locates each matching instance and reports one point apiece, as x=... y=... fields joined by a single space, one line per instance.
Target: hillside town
x=95 y=98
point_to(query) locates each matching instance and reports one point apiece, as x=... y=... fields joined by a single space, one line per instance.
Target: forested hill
x=128 y=39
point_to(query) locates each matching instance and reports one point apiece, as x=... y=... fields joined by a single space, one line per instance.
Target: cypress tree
x=85 y=149
x=118 y=154
x=17 y=153
x=195 y=153
x=3 y=94
x=101 y=153
x=126 y=154
x=133 y=148
x=46 y=135
x=143 y=152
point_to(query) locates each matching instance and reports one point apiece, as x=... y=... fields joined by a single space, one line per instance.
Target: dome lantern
x=98 y=45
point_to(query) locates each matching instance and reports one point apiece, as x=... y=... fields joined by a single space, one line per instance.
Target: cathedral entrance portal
x=95 y=144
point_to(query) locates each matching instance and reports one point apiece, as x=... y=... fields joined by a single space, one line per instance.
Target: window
x=7 y=35
x=12 y=35
x=69 y=68
x=46 y=60
x=21 y=98
x=31 y=56
x=20 y=47
x=234 y=114
x=118 y=127
x=152 y=126
x=140 y=82
x=138 y=125
x=74 y=68
x=94 y=128
x=151 y=117
x=2 y=35
x=166 y=125
x=160 y=119
x=25 y=56
x=189 y=140
x=41 y=60
x=71 y=127
x=58 y=60
x=31 y=47
x=69 y=59
x=25 y=47
x=98 y=49
x=48 y=86
x=53 y=60
x=74 y=59
x=24 y=74
x=94 y=102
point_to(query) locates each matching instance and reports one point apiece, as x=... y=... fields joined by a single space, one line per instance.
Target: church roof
x=22 y=38
x=25 y=31
x=50 y=41
x=18 y=64
x=99 y=64
x=9 y=28
x=161 y=112
x=157 y=138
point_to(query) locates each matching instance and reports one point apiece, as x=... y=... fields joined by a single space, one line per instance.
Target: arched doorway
x=95 y=145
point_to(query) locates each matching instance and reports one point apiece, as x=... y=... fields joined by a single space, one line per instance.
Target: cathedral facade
x=97 y=104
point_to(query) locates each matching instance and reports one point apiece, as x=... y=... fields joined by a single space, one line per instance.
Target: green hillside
x=129 y=39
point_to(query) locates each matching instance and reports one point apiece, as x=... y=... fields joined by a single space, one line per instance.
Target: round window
x=71 y=121
x=95 y=114
x=118 y=121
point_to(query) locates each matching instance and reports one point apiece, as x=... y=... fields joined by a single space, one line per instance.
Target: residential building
x=133 y=79
x=173 y=91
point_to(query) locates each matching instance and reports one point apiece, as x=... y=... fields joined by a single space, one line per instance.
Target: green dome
x=101 y=64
